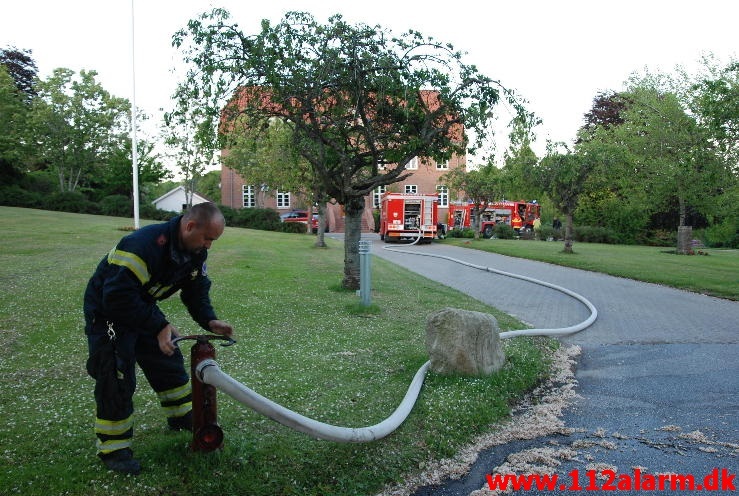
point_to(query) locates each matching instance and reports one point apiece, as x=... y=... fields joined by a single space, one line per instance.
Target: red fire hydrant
x=207 y=435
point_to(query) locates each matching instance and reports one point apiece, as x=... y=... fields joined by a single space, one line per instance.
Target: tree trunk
x=569 y=230
x=475 y=224
x=320 y=241
x=352 y=233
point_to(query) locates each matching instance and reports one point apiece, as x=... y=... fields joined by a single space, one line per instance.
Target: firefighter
x=124 y=325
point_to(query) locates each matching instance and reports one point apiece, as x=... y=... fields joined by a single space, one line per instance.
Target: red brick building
x=425 y=179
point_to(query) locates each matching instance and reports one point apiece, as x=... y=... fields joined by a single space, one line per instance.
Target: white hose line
x=560 y=331
x=209 y=373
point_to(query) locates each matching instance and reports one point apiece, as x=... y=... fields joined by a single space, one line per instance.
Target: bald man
x=124 y=325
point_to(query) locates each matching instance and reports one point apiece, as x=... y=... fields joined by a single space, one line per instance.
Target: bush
x=15 y=196
x=504 y=231
x=229 y=214
x=293 y=227
x=461 y=233
x=595 y=234
x=71 y=201
x=150 y=212
x=263 y=219
x=658 y=237
x=545 y=233
x=117 y=206
x=723 y=235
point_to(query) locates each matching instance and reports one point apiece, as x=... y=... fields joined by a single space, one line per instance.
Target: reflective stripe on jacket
x=144 y=267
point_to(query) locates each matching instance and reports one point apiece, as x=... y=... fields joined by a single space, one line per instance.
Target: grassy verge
x=716 y=273
x=301 y=342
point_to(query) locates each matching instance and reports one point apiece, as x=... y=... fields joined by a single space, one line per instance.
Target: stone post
x=684 y=239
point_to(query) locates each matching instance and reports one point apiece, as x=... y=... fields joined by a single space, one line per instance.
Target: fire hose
x=208 y=372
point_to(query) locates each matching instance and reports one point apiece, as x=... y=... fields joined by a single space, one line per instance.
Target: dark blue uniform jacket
x=146 y=266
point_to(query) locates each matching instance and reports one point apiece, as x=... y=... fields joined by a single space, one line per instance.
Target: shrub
x=149 y=211
x=461 y=233
x=546 y=232
x=504 y=231
x=229 y=214
x=71 y=201
x=15 y=196
x=117 y=206
x=263 y=219
x=293 y=227
x=725 y=234
x=658 y=237
x=595 y=234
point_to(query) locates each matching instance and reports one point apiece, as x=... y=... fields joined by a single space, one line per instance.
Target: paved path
x=658 y=375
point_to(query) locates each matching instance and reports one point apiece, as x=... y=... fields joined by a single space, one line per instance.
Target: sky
x=557 y=54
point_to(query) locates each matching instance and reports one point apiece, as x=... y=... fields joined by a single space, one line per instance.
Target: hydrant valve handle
x=202 y=338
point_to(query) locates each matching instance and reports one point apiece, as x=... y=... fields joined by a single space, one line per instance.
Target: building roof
x=181 y=189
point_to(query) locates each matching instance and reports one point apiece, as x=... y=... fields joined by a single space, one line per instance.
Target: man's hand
x=165 y=339
x=221 y=327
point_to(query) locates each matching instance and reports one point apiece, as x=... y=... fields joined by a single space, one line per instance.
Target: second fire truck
x=520 y=215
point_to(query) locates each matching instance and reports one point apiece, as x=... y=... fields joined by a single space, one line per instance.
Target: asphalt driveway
x=658 y=374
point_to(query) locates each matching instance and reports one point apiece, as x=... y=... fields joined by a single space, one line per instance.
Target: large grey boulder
x=463 y=342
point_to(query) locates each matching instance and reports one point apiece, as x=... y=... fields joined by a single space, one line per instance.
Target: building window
x=377 y=195
x=443 y=195
x=442 y=165
x=411 y=189
x=283 y=199
x=250 y=197
x=413 y=164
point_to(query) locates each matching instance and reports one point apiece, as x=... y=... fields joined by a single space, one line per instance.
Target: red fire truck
x=520 y=215
x=405 y=216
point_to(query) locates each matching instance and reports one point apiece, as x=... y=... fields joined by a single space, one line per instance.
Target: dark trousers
x=114 y=398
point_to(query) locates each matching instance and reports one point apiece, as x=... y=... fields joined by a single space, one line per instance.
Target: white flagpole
x=134 y=144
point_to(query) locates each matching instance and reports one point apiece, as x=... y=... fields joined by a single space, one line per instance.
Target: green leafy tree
x=210 y=186
x=520 y=159
x=562 y=177
x=18 y=74
x=116 y=178
x=186 y=132
x=22 y=68
x=714 y=100
x=266 y=155
x=667 y=155
x=77 y=125
x=355 y=96
x=14 y=140
x=481 y=186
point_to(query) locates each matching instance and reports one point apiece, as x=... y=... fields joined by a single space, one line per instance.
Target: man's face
x=196 y=238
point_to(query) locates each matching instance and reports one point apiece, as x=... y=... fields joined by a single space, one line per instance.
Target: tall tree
x=14 y=139
x=187 y=134
x=77 y=125
x=116 y=178
x=520 y=159
x=714 y=99
x=355 y=96
x=22 y=68
x=266 y=155
x=481 y=186
x=562 y=177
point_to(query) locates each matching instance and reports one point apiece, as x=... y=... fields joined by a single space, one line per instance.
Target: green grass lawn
x=716 y=273
x=301 y=342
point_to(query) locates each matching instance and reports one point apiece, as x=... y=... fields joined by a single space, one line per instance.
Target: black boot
x=183 y=423
x=121 y=461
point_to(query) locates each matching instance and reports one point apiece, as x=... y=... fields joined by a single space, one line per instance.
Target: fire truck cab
x=520 y=215
x=405 y=216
